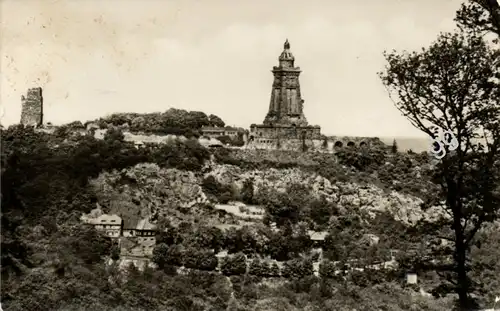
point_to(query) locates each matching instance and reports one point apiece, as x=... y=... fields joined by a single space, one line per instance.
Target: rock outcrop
x=404 y=207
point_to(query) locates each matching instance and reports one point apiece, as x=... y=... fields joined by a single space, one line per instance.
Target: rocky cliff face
x=404 y=207
x=147 y=189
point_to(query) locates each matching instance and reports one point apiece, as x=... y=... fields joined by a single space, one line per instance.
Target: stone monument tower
x=32 y=107
x=285 y=118
x=286 y=106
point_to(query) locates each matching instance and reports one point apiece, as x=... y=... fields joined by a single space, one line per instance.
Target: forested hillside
x=50 y=261
x=254 y=230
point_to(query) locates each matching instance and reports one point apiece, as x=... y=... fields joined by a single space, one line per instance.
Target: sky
x=97 y=57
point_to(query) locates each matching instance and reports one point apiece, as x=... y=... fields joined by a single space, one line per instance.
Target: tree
x=257 y=267
x=113 y=134
x=450 y=85
x=298 y=268
x=480 y=16
x=394 y=148
x=247 y=191
x=215 y=121
x=234 y=265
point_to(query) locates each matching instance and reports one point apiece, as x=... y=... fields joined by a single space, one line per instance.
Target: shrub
x=257 y=268
x=234 y=265
x=298 y=268
x=327 y=269
x=200 y=259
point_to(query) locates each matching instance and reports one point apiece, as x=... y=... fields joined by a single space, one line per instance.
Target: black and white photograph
x=266 y=155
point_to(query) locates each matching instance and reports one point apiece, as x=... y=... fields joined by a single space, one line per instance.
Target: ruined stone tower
x=32 y=107
x=285 y=118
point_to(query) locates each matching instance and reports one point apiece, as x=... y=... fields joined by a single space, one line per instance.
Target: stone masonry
x=32 y=107
x=285 y=118
x=285 y=126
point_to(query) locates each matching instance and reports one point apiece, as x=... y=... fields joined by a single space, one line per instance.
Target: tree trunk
x=462 y=280
x=462 y=288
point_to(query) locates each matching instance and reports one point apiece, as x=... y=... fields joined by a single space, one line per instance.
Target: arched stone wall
x=333 y=143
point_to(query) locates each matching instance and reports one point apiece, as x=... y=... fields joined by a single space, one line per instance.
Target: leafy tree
x=160 y=254
x=175 y=255
x=200 y=259
x=327 y=269
x=234 y=265
x=451 y=85
x=247 y=191
x=216 y=121
x=481 y=16
x=115 y=252
x=298 y=268
x=394 y=148
x=321 y=210
x=114 y=134
x=207 y=237
x=257 y=267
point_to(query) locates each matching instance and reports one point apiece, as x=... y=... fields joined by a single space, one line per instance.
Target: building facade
x=214 y=132
x=110 y=225
x=285 y=118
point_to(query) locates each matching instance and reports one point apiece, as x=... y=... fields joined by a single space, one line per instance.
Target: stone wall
x=284 y=132
x=333 y=143
x=32 y=107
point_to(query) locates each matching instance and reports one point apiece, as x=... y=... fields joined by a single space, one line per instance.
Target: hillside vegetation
x=50 y=260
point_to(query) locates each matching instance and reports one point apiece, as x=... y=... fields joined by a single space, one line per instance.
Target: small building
x=411 y=278
x=317 y=238
x=213 y=131
x=145 y=228
x=111 y=225
x=129 y=227
x=138 y=228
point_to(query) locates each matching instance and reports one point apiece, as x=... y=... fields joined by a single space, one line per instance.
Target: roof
x=317 y=236
x=212 y=128
x=221 y=129
x=145 y=224
x=130 y=223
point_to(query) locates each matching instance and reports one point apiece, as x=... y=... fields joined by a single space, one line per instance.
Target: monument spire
x=286 y=105
x=285 y=118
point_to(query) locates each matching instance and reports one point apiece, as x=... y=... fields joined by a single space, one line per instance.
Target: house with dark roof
x=138 y=228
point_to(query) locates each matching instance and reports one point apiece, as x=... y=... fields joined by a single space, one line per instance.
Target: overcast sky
x=94 y=58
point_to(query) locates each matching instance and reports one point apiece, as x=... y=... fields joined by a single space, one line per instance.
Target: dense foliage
x=173 y=121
